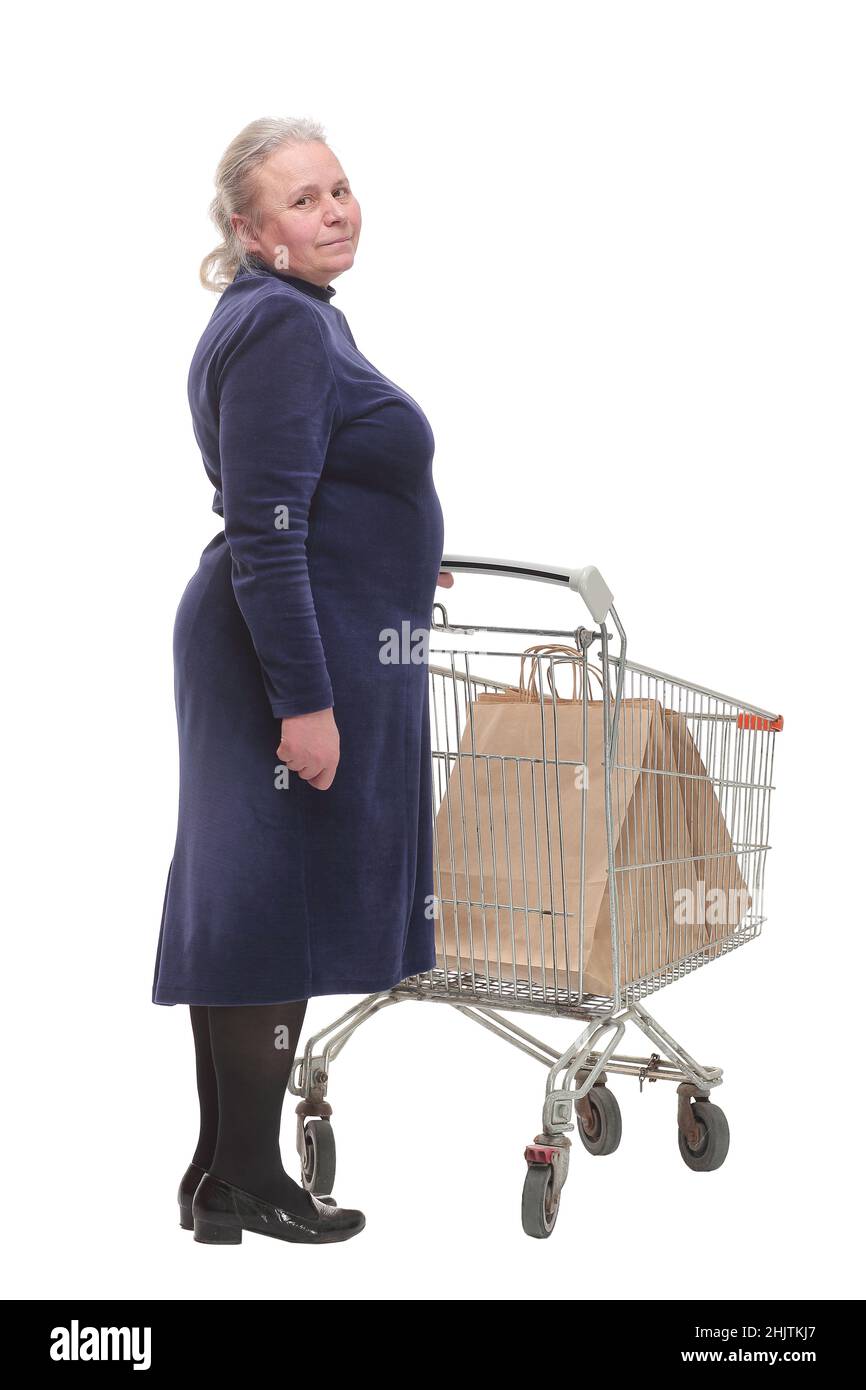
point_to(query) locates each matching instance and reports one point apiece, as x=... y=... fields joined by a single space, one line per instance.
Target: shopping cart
x=618 y=845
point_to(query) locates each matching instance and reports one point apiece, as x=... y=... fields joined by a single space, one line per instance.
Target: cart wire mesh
x=595 y=838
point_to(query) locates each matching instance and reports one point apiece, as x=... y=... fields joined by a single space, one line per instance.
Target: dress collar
x=323 y=292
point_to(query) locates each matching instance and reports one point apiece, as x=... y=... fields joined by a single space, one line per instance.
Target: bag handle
x=585 y=666
x=529 y=690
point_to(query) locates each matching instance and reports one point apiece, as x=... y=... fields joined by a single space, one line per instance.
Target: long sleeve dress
x=318 y=593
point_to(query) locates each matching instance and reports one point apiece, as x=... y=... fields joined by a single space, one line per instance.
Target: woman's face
x=311 y=220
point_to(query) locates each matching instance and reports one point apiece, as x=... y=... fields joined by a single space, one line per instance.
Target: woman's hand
x=310 y=746
x=310 y=743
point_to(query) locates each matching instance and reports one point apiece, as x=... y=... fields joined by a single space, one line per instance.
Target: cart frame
x=739 y=764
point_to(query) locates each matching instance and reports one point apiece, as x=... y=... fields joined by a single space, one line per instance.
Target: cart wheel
x=539 y=1208
x=606 y=1131
x=711 y=1149
x=320 y=1157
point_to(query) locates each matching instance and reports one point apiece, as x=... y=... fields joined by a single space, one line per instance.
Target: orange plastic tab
x=757 y=721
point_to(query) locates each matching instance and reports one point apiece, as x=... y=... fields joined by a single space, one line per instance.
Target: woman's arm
x=278 y=404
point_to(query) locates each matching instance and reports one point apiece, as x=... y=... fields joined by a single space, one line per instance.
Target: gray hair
x=237 y=186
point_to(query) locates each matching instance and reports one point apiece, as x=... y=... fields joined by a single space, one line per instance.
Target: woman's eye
x=342 y=188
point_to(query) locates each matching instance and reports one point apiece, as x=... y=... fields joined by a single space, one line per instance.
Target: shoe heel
x=186 y=1220
x=209 y=1233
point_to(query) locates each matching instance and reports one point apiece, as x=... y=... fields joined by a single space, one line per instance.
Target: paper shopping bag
x=521 y=842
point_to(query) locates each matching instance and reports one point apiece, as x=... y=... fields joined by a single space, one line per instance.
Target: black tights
x=243 y=1061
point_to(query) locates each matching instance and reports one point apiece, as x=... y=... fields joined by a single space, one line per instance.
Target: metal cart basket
x=599 y=831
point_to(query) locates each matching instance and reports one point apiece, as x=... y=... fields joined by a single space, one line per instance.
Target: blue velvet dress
x=317 y=594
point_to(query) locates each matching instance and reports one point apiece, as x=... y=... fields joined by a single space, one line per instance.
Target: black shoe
x=188 y=1184
x=222 y=1212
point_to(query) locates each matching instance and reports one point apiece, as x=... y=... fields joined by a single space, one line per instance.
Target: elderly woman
x=303 y=859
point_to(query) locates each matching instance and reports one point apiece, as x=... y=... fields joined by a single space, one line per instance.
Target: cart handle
x=587 y=581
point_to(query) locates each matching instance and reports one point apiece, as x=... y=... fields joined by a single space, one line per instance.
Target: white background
x=616 y=252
